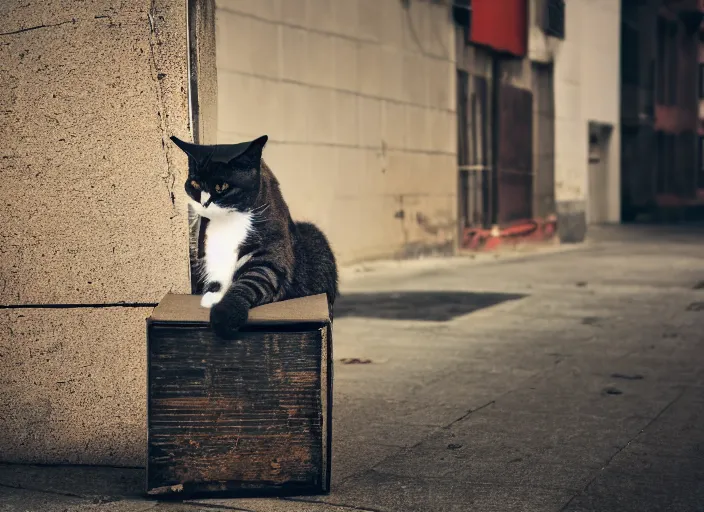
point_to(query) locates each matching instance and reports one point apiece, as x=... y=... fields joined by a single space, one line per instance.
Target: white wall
x=358 y=99
x=587 y=88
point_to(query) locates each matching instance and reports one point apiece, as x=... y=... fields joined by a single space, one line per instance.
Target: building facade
x=587 y=117
x=358 y=100
x=402 y=127
x=661 y=111
x=547 y=91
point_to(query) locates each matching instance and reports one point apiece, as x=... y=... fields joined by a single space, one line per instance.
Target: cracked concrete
x=90 y=93
x=519 y=406
x=156 y=41
x=29 y=29
x=86 y=110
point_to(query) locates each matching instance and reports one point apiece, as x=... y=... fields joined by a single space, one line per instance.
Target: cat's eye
x=221 y=188
x=195 y=185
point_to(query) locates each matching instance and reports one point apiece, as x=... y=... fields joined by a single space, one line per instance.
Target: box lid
x=186 y=308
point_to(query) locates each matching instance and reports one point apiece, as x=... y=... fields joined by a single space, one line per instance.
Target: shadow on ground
x=417 y=305
x=99 y=483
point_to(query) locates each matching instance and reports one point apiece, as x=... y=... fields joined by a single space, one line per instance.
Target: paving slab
x=393 y=493
x=90 y=482
x=642 y=483
x=587 y=393
x=15 y=500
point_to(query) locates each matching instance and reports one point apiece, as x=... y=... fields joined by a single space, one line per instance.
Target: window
x=630 y=54
x=673 y=68
x=667 y=63
x=473 y=152
x=700 y=166
x=462 y=13
x=666 y=161
x=555 y=18
x=661 y=70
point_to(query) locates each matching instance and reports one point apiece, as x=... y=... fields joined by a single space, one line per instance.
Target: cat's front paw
x=228 y=316
x=209 y=299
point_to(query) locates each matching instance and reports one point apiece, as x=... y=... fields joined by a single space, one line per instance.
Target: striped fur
x=273 y=257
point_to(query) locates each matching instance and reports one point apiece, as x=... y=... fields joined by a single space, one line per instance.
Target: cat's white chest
x=224 y=237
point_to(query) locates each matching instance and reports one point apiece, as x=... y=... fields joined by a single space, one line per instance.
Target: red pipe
x=478 y=238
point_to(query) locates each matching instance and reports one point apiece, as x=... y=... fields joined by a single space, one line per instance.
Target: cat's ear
x=192 y=150
x=251 y=157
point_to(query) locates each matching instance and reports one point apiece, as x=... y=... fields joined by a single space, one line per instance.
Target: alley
x=570 y=380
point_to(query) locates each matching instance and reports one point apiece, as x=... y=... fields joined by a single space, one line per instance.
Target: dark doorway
x=543 y=140
x=474 y=150
x=515 y=155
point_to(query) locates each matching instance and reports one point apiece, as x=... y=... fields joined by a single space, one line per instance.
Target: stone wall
x=358 y=99
x=94 y=222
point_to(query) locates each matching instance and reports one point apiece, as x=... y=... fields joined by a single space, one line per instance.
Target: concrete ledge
x=571 y=221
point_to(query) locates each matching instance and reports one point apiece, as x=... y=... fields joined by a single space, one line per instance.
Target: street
x=570 y=380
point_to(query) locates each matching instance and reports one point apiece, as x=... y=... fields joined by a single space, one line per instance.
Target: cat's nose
x=204 y=196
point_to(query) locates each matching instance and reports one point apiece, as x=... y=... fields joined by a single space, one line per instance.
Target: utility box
x=251 y=416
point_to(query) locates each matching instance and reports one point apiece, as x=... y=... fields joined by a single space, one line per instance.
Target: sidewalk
x=571 y=380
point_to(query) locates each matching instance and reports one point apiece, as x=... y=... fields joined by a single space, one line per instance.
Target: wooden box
x=245 y=417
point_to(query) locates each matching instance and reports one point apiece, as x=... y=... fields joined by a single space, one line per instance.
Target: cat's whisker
x=259 y=209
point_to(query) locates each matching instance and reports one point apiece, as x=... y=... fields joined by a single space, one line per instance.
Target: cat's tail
x=316 y=261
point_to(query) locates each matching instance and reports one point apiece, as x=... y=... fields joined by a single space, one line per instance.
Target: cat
x=254 y=253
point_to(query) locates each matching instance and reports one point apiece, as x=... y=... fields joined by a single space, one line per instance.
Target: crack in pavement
x=339 y=505
x=606 y=465
x=89 y=499
x=44 y=491
x=466 y=415
x=477 y=483
x=214 y=506
x=103 y=500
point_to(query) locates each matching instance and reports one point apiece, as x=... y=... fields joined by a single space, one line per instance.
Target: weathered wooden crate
x=242 y=417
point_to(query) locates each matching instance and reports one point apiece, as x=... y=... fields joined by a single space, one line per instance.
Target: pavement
x=569 y=379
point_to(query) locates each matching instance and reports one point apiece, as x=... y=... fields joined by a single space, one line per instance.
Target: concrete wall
x=541 y=47
x=587 y=89
x=358 y=98
x=93 y=214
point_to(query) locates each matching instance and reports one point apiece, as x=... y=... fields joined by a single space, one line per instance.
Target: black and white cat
x=254 y=253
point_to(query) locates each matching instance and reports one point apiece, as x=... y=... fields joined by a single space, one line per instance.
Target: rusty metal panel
x=474 y=150
x=677 y=164
x=515 y=156
x=639 y=165
x=700 y=162
x=664 y=159
x=687 y=165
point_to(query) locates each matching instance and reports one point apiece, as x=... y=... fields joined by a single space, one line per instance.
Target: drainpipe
x=495 y=132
